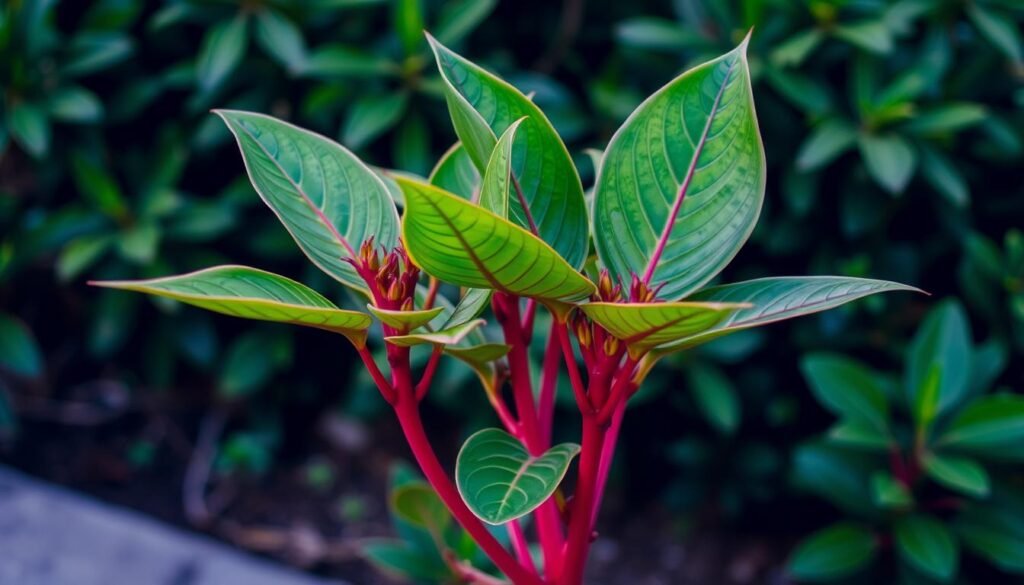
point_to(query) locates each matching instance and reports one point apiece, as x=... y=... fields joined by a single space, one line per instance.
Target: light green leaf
x=829 y=139
x=958 y=473
x=449 y=336
x=939 y=362
x=473 y=302
x=371 y=116
x=75 y=104
x=715 y=396
x=245 y=292
x=1000 y=29
x=458 y=18
x=406 y=320
x=463 y=244
x=398 y=558
x=643 y=326
x=781 y=298
x=30 y=128
x=833 y=553
x=871 y=35
x=222 y=51
x=927 y=545
x=80 y=254
x=682 y=181
x=457 y=174
x=796 y=48
x=656 y=34
x=889 y=493
x=281 y=39
x=481 y=359
x=500 y=481
x=496 y=186
x=948 y=117
x=848 y=389
x=327 y=199
x=408 y=22
x=856 y=433
x=889 y=159
x=988 y=425
x=19 y=352
x=418 y=504
x=942 y=174
x=333 y=61
x=482 y=107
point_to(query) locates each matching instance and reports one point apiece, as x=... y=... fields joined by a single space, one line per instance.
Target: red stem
x=428 y=373
x=580 y=531
x=385 y=387
x=522 y=548
x=574 y=373
x=549 y=384
x=607 y=455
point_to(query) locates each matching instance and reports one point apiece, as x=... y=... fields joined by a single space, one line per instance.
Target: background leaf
x=833 y=553
x=928 y=546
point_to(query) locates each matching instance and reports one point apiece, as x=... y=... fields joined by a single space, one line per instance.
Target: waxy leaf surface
x=500 y=481
x=327 y=199
x=642 y=326
x=405 y=319
x=457 y=174
x=682 y=181
x=249 y=293
x=450 y=336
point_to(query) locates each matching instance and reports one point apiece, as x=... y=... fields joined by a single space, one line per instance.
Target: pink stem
x=428 y=373
x=607 y=455
x=385 y=387
x=549 y=384
x=574 y=373
x=522 y=548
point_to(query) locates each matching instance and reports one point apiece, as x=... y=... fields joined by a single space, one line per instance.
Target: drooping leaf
x=327 y=199
x=989 y=426
x=482 y=107
x=939 y=362
x=500 y=481
x=958 y=473
x=848 y=389
x=481 y=359
x=927 y=545
x=833 y=553
x=643 y=326
x=682 y=181
x=457 y=174
x=450 y=336
x=829 y=139
x=249 y=293
x=405 y=319
x=463 y=244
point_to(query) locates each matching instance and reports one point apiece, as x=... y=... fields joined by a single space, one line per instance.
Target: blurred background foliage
x=895 y=139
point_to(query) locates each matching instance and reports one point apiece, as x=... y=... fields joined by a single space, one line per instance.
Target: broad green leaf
x=715 y=396
x=829 y=139
x=396 y=557
x=948 y=117
x=939 y=362
x=404 y=319
x=281 y=39
x=958 y=473
x=995 y=535
x=943 y=175
x=245 y=292
x=222 y=51
x=371 y=116
x=643 y=326
x=857 y=433
x=75 y=104
x=500 y=481
x=889 y=493
x=482 y=107
x=794 y=50
x=999 y=28
x=327 y=199
x=449 y=336
x=682 y=181
x=457 y=174
x=418 y=504
x=833 y=553
x=848 y=389
x=496 y=185
x=29 y=127
x=463 y=244
x=837 y=475
x=780 y=298
x=870 y=35
x=927 y=545
x=889 y=159
x=481 y=359
x=19 y=352
x=473 y=302
x=989 y=425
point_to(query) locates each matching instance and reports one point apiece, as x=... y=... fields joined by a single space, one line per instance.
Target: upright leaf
x=457 y=174
x=939 y=363
x=482 y=107
x=327 y=199
x=221 y=53
x=848 y=389
x=463 y=244
x=245 y=292
x=926 y=544
x=500 y=481
x=497 y=180
x=682 y=181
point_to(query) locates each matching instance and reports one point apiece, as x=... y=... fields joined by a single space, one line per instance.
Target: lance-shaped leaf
x=405 y=319
x=682 y=181
x=482 y=106
x=642 y=326
x=249 y=293
x=500 y=481
x=481 y=359
x=450 y=336
x=457 y=174
x=327 y=199
x=463 y=244
x=497 y=182
x=473 y=302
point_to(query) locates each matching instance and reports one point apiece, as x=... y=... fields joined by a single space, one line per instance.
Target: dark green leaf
x=958 y=473
x=30 y=128
x=371 y=116
x=19 y=352
x=281 y=39
x=988 y=425
x=927 y=545
x=716 y=397
x=889 y=159
x=833 y=553
x=939 y=362
x=847 y=388
x=222 y=51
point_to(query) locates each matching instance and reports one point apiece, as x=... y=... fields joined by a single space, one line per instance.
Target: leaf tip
x=742 y=47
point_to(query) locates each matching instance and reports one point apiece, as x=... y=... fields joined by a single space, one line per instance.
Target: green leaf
x=1000 y=29
x=496 y=186
x=927 y=545
x=856 y=433
x=835 y=552
x=19 y=352
x=889 y=493
x=281 y=39
x=794 y=50
x=327 y=199
x=889 y=159
x=463 y=244
x=942 y=174
x=80 y=254
x=418 y=504
x=643 y=326
x=829 y=139
x=657 y=34
x=715 y=396
x=371 y=116
x=395 y=557
x=333 y=61
x=939 y=362
x=682 y=181
x=222 y=52
x=780 y=298
x=408 y=22
x=249 y=364
x=99 y=187
x=473 y=302
x=450 y=336
x=96 y=51
x=872 y=35
x=848 y=389
x=75 y=104
x=988 y=425
x=245 y=292
x=482 y=107
x=948 y=117
x=30 y=128
x=994 y=535
x=457 y=174
x=481 y=359
x=958 y=473
x=500 y=481
x=458 y=18
x=406 y=320
x=837 y=475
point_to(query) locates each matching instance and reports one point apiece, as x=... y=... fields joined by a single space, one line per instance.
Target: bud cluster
x=392 y=278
